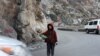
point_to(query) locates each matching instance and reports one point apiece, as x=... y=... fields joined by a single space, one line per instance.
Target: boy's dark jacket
x=51 y=34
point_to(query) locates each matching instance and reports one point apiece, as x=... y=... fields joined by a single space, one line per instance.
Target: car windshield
x=90 y=23
x=95 y=22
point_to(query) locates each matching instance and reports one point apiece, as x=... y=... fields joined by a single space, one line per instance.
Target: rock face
x=8 y=11
x=23 y=18
x=73 y=10
x=32 y=19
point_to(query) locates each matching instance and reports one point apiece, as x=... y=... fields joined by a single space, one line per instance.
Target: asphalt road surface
x=74 y=44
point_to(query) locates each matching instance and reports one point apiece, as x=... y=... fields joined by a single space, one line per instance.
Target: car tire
x=87 y=31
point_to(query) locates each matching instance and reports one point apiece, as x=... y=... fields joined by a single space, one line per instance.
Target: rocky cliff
x=73 y=11
x=22 y=18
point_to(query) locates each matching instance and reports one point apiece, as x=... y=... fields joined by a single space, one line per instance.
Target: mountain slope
x=81 y=10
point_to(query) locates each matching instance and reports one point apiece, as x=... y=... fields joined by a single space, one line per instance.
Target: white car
x=93 y=26
x=13 y=47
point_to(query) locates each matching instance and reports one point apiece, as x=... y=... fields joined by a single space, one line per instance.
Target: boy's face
x=50 y=27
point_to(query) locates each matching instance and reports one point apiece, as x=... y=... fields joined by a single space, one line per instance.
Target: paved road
x=74 y=44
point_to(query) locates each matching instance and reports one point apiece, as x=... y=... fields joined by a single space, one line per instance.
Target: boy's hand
x=56 y=43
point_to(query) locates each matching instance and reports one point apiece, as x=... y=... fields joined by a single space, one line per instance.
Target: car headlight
x=15 y=50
